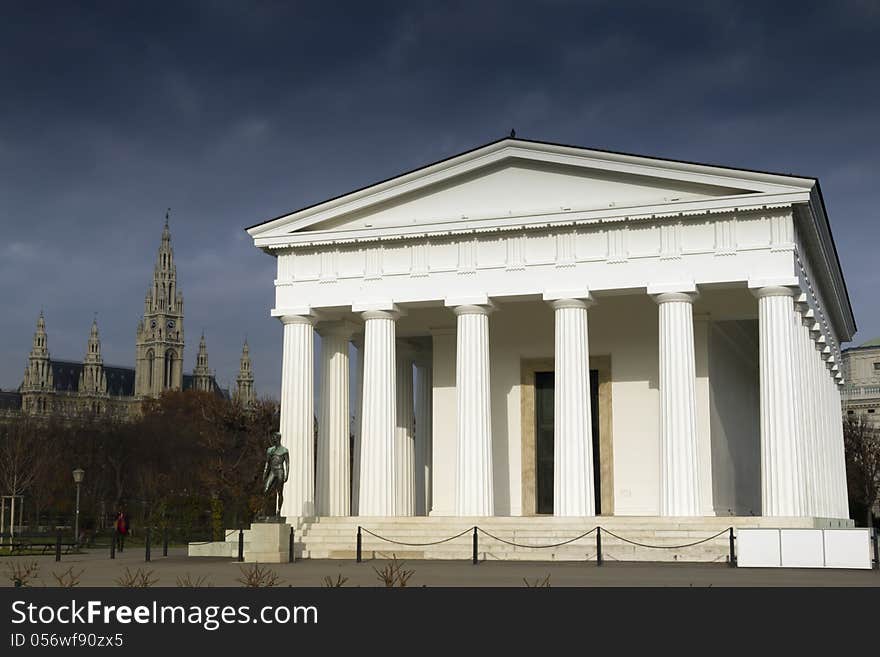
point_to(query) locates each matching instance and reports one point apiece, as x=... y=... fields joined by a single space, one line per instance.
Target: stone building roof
x=120 y=380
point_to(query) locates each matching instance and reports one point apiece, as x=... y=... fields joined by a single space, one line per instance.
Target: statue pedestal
x=267 y=541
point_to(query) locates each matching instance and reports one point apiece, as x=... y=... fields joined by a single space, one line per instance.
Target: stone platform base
x=336 y=538
x=264 y=542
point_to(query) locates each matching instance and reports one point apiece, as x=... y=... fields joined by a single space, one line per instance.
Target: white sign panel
x=802 y=548
x=847 y=548
x=758 y=548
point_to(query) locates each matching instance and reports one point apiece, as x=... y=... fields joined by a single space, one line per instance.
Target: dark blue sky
x=233 y=112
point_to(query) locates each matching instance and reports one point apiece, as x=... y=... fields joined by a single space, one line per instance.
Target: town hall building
x=70 y=388
x=543 y=329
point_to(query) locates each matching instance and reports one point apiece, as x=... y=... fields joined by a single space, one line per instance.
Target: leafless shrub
x=538 y=583
x=257 y=576
x=190 y=582
x=139 y=579
x=329 y=583
x=393 y=574
x=68 y=578
x=20 y=573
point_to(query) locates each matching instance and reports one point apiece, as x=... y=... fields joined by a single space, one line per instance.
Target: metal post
x=291 y=558
x=598 y=546
x=359 y=544
x=165 y=542
x=58 y=546
x=732 y=549
x=147 y=545
x=76 y=522
x=113 y=543
x=876 y=550
x=475 y=546
x=241 y=545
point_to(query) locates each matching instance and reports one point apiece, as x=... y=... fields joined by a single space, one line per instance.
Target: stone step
x=506 y=532
x=551 y=520
x=336 y=537
x=501 y=555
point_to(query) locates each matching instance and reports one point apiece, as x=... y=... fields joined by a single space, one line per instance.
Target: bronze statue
x=276 y=470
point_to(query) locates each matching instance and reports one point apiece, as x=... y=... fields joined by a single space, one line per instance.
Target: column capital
x=297 y=319
x=473 y=309
x=774 y=291
x=558 y=304
x=667 y=297
x=342 y=328
x=381 y=314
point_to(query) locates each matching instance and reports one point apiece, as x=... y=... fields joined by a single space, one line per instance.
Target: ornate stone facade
x=73 y=388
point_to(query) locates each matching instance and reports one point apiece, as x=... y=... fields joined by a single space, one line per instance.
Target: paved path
x=98 y=570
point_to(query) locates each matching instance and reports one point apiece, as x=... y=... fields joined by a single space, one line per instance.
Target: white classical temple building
x=543 y=329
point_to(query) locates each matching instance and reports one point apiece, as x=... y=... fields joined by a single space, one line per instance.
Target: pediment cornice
x=561 y=219
x=515 y=150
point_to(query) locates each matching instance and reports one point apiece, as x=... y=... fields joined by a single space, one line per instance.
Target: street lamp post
x=78 y=475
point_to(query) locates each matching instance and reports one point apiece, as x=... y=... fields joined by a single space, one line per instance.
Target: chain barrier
x=445 y=540
x=550 y=545
x=666 y=547
x=522 y=545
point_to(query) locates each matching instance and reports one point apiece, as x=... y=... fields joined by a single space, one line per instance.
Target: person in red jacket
x=121 y=528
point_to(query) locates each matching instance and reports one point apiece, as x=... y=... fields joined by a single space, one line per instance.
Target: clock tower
x=159 y=364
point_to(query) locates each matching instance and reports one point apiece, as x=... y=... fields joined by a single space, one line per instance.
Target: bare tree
x=861 y=439
x=21 y=458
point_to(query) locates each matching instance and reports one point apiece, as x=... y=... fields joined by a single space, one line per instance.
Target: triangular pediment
x=516 y=178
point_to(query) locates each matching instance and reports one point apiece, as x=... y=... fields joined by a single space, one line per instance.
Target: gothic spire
x=93 y=379
x=201 y=372
x=244 y=382
x=93 y=351
x=40 y=347
x=38 y=373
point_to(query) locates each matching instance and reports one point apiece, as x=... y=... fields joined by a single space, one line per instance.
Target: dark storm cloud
x=233 y=112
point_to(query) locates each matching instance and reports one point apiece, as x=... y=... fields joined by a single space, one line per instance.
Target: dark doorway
x=544 y=400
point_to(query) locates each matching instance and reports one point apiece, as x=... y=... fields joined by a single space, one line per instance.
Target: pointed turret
x=201 y=372
x=38 y=374
x=160 y=332
x=244 y=382
x=93 y=380
x=38 y=387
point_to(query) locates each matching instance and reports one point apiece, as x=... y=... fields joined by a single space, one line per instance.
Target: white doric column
x=842 y=506
x=357 y=403
x=812 y=383
x=474 y=487
x=404 y=446
x=802 y=346
x=378 y=415
x=333 y=493
x=839 y=507
x=297 y=414
x=781 y=487
x=573 y=492
x=424 y=421
x=822 y=390
x=827 y=411
x=679 y=463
